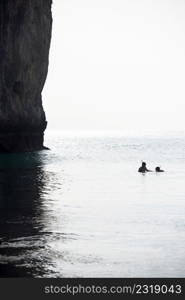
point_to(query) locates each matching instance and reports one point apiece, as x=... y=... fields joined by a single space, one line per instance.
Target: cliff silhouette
x=25 y=34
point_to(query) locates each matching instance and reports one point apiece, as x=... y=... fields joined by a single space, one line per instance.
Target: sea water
x=81 y=209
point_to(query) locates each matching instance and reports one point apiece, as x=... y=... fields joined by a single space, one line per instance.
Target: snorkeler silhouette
x=158 y=169
x=143 y=168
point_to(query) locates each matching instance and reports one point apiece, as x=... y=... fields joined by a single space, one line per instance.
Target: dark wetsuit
x=157 y=169
x=143 y=169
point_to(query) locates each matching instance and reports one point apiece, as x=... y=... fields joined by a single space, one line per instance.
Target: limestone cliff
x=25 y=33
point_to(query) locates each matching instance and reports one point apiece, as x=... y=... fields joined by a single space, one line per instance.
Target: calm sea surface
x=82 y=209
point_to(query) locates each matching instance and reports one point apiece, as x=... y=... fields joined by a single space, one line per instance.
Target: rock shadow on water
x=22 y=182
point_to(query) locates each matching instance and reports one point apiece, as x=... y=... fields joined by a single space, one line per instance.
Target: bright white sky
x=117 y=65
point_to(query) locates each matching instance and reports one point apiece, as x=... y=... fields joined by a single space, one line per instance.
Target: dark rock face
x=25 y=33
